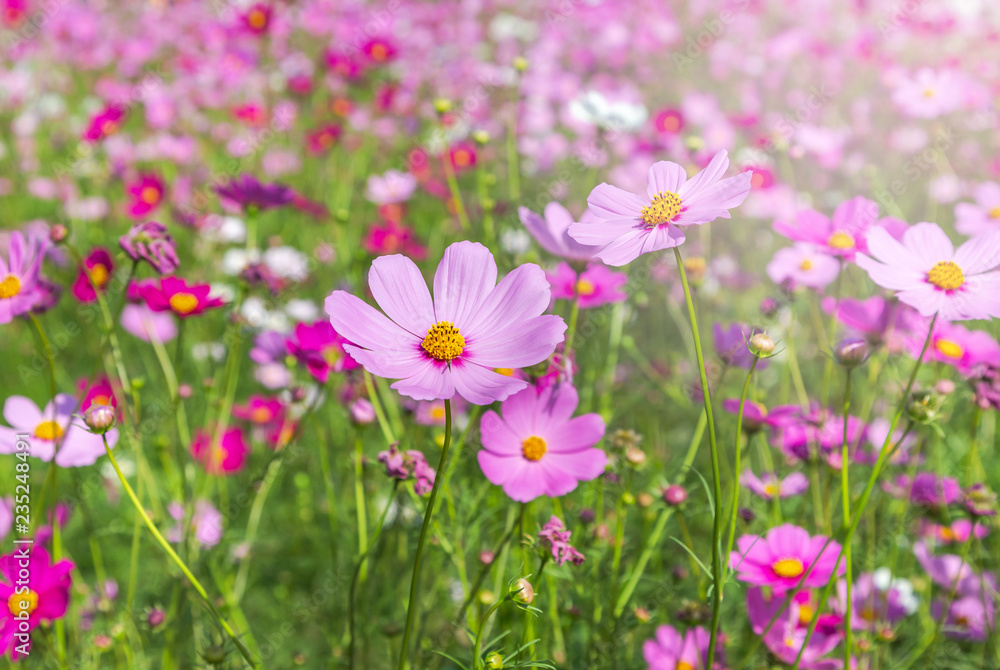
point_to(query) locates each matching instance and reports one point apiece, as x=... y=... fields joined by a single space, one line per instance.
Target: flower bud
x=635 y=456
x=851 y=352
x=156 y=617
x=99 y=418
x=442 y=105
x=675 y=495
x=214 y=655
x=520 y=64
x=761 y=345
x=481 y=137
x=494 y=661
x=58 y=233
x=362 y=411
x=769 y=307
x=923 y=406
x=980 y=500
x=523 y=591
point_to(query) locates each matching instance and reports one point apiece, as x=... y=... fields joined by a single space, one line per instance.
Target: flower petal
x=363 y=325
x=401 y=292
x=610 y=202
x=664 y=176
x=481 y=386
x=465 y=277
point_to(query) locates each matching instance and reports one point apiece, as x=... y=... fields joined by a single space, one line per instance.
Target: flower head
x=769 y=486
x=629 y=225
x=842 y=236
x=537 y=448
x=932 y=276
x=257 y=19
x=46 y=598
x=595 y=286
x=94 y=275
x=781 y=558
x=555 y=537
x=552 y=231
x=21 y=287
x=390 y=188
x=151 y=242
x=224 y=456
x=173 y=294
x=106 y=122
x=146 y=192
x=455 y=342
x=52 y=427
x=247 y=192
x=671 y=650
x=802 y=265
x=321 y=349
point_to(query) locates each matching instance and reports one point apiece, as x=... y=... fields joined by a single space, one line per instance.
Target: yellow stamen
x=9 y=287
x=841 y=240
x=806 y=614
x=995 y=213
x=437 y=412
x=183 y=303
x=949 y=348
x=789 y=568
x=379 y=52
x=257 y=19
x=946 y=275
x=18 y=604
x=806 y=265
x=99 y=275
x=150 y=195
x=443 y=341
x=770 y=489
x=533 y=448
x=100 y=400
x=584 y=287
x=261 y=415
x=48 y=430
x=665 y=206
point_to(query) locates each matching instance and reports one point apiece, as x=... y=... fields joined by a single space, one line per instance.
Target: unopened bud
x=442 y=105
x=851 y=352
x=523 y=591
x=494 y=661
x=481 y=137
x=520 y=64
x=58 y=233
x=761 y=345
x=99 y=418
x=675 y=495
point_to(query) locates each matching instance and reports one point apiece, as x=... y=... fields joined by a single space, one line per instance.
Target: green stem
x=736 y=465
x=175 y=558
x=413 y=604
x=477 y=652
x=359 y=503
x=714 y=450
x=456 y=194
x=845 y=493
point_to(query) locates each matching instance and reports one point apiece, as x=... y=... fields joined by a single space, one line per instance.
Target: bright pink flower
x=670 y=650
x=223 y=457
x=780 y=559
x=932 y=276
x=432 y=412
x=629 y=225
x=100 y=266
x=767 y=486
x=403 y=465
x=552 y=231
x=321 y=349
x=21 y=288
x=669 y=121
x=957 y=346
x=537 y=448
x=260 y=410
x=104 y=123
x=147 y=192
x=206 y=522
x=957 y=532
x=54 y=425
x=842 y=236
x=555 y=537
x=788 y=634
x=875 y=318
x=595 y=286
x=394 y=238
x=462 y=156
x=258 y=18
x=175 y=295
x=100 y=393
x=984 y=215
x=379 y=50
x=46 y=597
x=455 y=342
x=802 y=265
x=323 y=139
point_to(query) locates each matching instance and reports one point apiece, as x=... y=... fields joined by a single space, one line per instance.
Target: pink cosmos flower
x=732 y=345
x=984 y=215
x=432 y=412
x=151 y=241
x=767 y=486
x=51 y=426
x=321 y=349
x=788 y=634
x=957 y=532
x=595 y=286
x=629 y=225
x=670 y=650
x=394 y=238
x=379 y=50
x=147 y=193
x=555 y=537
x=780 y=558
x=756 y=415
x=20 y=286
x=99 y=393
x=932 y=276
x=842 y=236
x=875 y=318
x=462 y=156
x=928 y=93
x=390 y=188
x=144 y=323
x=957 y=346
x=258 y=18
x=104 y=123
x=552 y=231
x=100 y=266
x=802 y=265
x=260 y=410
x=46 y=598
x=225 y=457
x=455 y=342
x=206 y=522
x=403 y=465
x=175 y=295
x=537 y=448
x=669 y=121
x=323 y=139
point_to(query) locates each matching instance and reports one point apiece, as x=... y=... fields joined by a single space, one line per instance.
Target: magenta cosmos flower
x=670 y=650
x=595 y=286
x=223 y=457
x=456 y=342
x=147 y=192
x=629 y=225
x=552 y=231
x=46 y=598
x=932 y=276
x=321 y=349
x=51 y=426
x=151 y=241
x=957 y=346
x=780 y=558
x=173 y=294
x=99 y=268
x=537 y=448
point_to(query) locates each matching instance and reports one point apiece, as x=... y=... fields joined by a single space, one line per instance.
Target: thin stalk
x=845 y=493
x=736 y=465
x=413 y=604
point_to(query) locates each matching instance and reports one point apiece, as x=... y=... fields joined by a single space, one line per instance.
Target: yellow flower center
x=109 y=127
x=533 y=448
x=949 y=348
x=9 y=287
x=995 y=213
x=665 y=206
x=841 y=240
x=584 y=287
x=928 y=92
x=257 y=19
x=260 y=415
x=506 y=372
x=150 y=195
x=443 y=341
x=332 y=356
x=437 y=412
x=183 y=303
x=695 y=265
x=946 y=275
x=100 y=400
x=770 y=489
x=789 y=568
x=379 y=52
x=19 y=604
x=462 y=158
x=806 y=265
x=48 y=430
x=946 y=534
x=806 y=614
x=684 y=665
x=99 y=275
x=868 y=613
